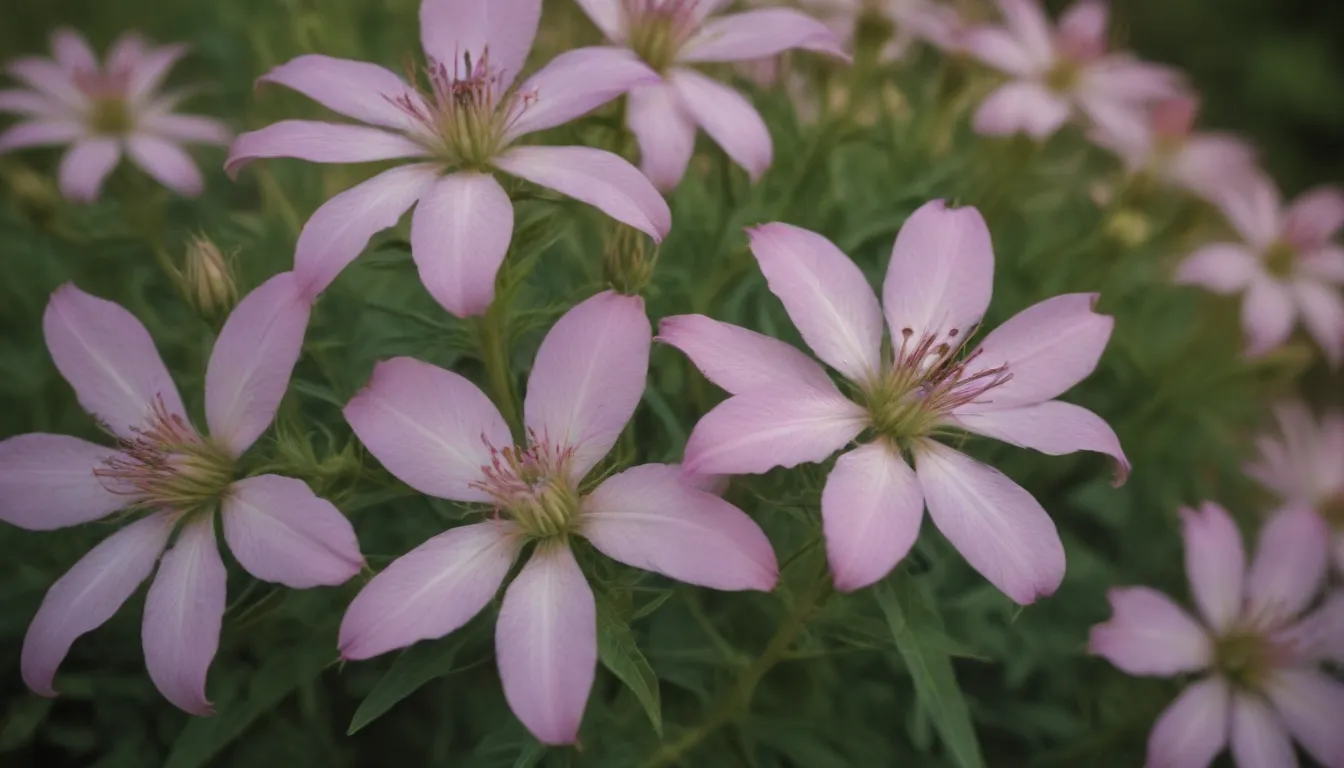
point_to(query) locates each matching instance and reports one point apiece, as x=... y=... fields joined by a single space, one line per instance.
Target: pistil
x=167 y=464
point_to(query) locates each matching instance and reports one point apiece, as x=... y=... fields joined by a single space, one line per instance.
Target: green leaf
x=918 y=630
x=617 y=650
x=531 y=755
x=416 y=666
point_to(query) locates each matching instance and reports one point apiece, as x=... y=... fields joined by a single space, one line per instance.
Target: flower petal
x=648 y=517
x=338 y=231
x=186 y=128
x=1149 y=635
x=1322 y=310
x=1258 y=736
x=1314 y=217
x=826 y=296
x=546 y=645
x=50 y=78
x=999 y=49
x=47 y=482
x=109 y=359
x=183 y=612
x=750 y=434
x=1054 y=428
x=575 y=83
x=72 y=51
x=431 y=428
x=1267 y=315
x=431 y=590
x=999 y=528
x=85 y=166
x=1289 y=565
x=1325 y=264
x=664 y=130
x=759 y=34
x=729 y=119
x=1082 y=29
x=30 y=103
x=1220 y=267
x=319 y=143
x=940 y=276
x=1027 y=22
x=1215 y=562
x=1193 y=730
x=88 y=594
x=40 y=133
x=740 y=360
x=871 y=509
x=1021 y=107
x=279 y=531
x=608 y=15
x=589 y=377
x=451 y=30
x=1253 y=209
x=150 y=69
x=598 y=178
x=168 y=163
x=358 y=89
x=460 y=233
x=1310 y=702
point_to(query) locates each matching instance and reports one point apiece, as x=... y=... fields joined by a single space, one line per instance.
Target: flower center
x=106 y=91
x=532 y=487
x=168 y=465
x=1244 y=657
x=1063 y=77
x=110 y=117
x=659 y=28
x=1280 y=259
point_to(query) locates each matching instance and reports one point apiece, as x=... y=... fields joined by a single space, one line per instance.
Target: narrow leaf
x=617 y=650
x=415 y=666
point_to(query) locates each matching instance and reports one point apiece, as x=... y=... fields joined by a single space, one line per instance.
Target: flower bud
x=34 y=193
x=1129 y=227
x=208 y=279
x=628 y=261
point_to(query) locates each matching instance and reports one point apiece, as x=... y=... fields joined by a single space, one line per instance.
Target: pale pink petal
x=608 y=15
x=1267 y=315
x=1082 y=29
x=1193 y=730
x=50 y=78
x=85 y=166
x=1322 y=309
x=1289 y=565
x=589 y=377
x=460 y=233
x=1220 y=267
x=1320 y=636
x=940 y=276
x=546 y=645
x=167 y=162
x=127 y=51
x=750 y=434
x=88 y=594
x=31 y=104
x=451 y=30
x=664 y=130
x=1208 y=163
x=1314 y=217
x=871 y=509
x=648 y=517
x=1027 y=21
x=279 y=531
x=596 y=177
x=186 y=128
x=1120 y=79
x=1054 y=428
x=72 y=51
x=150 y=71
x=999 y=49
x=109 y=359
x=252 y=361
x=338 y=231
x=1021 y=107
x=1215 y=563
x=729 y=119
x=431 y=590
x=740 y=360
x=358 y=89
x=40 y=133
x=319 y=143
x=759 y=34
x=1325 y=264
x=1253 y=209
x=1150 y=635
x=1048 y=348
x=999 y=528
x=183 y=613
x=575 y=83
x=431 y=428
x=47 y=482
x=1310 y=703
x=825 y=294
x=1259 y=739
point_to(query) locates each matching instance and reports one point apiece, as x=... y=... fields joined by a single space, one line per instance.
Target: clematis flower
x=178 y=477
x=103 y=111
x=935 y=23
x=1058 y=73
x=785 y=409
x=671 y=35
x=1259 y=684
x=1304 y=465
x=461 y=132
x=1286 y=265
x=442 y=436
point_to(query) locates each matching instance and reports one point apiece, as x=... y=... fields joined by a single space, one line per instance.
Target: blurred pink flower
x=1261 y=686
x=670 y=34
x=104 y=110
x=785 y=410
x=1286 y=265
x=276 y=528
x=442 y=436
x=1304 y=465
x=935 y=23
x=1057 y=72
x=462 y=129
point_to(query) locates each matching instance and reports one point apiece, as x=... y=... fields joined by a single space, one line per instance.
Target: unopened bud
x=628 y=260
x=34 y=193
x=208 y=278
x=1129 y=227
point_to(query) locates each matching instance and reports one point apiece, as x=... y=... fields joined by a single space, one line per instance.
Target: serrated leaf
x=415 y=666
x=916 y=627
x=618 y=652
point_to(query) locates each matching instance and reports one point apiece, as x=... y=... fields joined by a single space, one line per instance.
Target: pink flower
x=442 y=436
x=785 y=410
x=668 y=35
x=1304 y=465
x=1286 y=264
x=103 y=111
x=276 y=528
x=462 y=131
x=933 y=22
x=1259 y=686
x=1058 y=72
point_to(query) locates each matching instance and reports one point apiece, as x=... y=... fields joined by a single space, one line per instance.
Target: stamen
x=659 y=29
x=531 y=486
x=167 y=464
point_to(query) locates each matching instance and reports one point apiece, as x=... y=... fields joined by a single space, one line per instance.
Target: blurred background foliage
x=1172 y=384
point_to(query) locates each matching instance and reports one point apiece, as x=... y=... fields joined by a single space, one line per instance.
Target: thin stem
x=495 y=355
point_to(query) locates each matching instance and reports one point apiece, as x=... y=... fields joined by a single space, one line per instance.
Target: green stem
x=495 y=356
